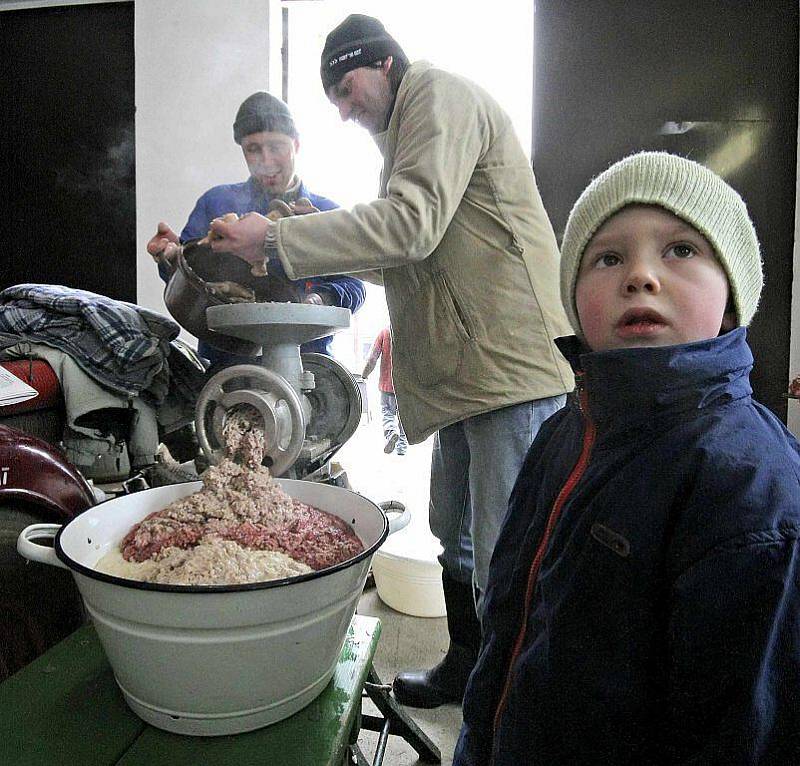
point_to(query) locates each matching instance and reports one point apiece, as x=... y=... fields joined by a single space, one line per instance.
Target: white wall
x=196 y=61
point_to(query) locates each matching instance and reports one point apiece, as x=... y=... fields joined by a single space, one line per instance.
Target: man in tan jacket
x=463 y=246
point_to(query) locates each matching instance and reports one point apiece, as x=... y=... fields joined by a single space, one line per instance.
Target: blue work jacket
x=643 y=603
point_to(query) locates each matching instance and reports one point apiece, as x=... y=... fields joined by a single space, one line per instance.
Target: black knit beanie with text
x=358 y=41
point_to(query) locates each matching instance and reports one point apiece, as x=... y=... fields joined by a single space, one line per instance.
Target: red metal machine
x=36 y=475
x=38 y=604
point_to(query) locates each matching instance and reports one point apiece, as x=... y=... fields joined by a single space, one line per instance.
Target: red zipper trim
x=533 y=573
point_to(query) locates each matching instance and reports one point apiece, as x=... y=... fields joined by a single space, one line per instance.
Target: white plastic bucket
x=409 y=585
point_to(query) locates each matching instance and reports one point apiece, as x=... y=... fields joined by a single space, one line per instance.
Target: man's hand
x=243 y=238
x=164 y=245
x=211 y=234
x=163 y=236
x=369 y=367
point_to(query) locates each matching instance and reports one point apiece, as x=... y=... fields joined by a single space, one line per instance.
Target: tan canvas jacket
x=467 y=254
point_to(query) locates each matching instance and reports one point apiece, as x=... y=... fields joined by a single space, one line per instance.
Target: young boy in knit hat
x=643 y=602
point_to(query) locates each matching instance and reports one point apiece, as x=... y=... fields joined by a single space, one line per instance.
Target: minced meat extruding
x=240 y=511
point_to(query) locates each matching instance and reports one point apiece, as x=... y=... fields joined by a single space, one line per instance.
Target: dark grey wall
x=714 y=80
x=68 y=195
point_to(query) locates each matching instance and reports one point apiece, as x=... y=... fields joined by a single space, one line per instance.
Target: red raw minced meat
x=248 y=507
x=242 y=503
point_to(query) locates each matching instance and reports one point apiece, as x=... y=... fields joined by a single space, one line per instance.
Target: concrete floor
x=409 y=643
x=406 y=642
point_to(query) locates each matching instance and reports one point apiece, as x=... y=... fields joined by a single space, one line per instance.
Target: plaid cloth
x=123 y=346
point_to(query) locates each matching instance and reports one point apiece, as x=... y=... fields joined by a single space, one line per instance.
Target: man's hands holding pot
x=243 y=238
x=246 y=237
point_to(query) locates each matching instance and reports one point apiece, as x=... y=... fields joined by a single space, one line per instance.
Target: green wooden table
x=65 y=708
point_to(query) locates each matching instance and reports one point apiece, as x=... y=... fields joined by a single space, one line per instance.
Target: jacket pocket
x=432 y=333
x=515 y=245
x=612 y=540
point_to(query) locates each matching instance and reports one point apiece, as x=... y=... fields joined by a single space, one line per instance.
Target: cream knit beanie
x=690 y=191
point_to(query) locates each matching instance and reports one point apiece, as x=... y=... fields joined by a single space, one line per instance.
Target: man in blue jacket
x=265 y=129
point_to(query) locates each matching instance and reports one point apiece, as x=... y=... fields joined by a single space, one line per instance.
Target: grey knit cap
x=688 y=190
x=263 y=112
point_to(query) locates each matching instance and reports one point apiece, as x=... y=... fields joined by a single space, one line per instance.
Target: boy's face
x=648 y=278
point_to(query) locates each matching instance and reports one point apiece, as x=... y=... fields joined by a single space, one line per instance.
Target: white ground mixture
x=213 y=562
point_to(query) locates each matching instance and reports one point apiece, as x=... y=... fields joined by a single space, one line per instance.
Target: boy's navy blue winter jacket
x=643 y=603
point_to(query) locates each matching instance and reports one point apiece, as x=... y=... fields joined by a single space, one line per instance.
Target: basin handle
x=32 y=551
x=396 y=523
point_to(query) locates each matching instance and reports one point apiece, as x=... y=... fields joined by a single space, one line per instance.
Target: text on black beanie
x=358 y=41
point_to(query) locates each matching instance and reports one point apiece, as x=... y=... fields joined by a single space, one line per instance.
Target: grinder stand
x=309 y=403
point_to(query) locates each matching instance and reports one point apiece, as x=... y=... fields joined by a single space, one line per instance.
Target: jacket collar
x=627 y=387
x=412 y=73
x=295 y=190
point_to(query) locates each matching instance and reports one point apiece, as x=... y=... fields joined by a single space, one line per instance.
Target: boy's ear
x=728 y=321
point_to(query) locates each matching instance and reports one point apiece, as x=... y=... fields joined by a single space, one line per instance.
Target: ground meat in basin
x=239 y=504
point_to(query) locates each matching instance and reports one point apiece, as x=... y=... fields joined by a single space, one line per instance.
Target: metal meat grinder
x=310 y=404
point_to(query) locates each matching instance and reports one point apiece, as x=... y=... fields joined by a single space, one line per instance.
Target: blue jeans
x=474 y=465
x=391 y=420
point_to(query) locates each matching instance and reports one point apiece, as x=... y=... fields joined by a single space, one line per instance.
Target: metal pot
x=187 y=297
x=213 y=660
x=192 y=288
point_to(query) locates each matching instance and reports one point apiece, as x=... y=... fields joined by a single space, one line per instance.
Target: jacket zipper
x=575 y=475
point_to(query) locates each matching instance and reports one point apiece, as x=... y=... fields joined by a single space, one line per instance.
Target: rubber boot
x=445 y=683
